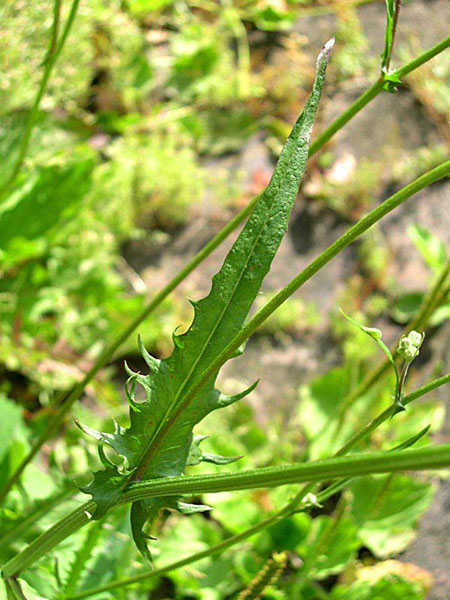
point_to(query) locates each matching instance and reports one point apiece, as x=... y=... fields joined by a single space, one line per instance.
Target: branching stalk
x=431 y=302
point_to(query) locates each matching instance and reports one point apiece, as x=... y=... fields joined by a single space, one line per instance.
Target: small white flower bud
x=409 y=345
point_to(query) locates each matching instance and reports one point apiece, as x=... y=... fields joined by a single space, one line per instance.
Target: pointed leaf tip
x=324 y=54
x=216 y=459
x=152 y=362
x=224 y=400
x=128 y=370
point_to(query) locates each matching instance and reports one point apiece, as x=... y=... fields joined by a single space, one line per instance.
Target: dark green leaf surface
x=154 y=446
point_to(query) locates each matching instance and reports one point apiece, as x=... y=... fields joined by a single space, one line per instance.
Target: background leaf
x=386 y=510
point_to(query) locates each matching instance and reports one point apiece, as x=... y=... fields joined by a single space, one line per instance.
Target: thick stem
x=66 y=401
x=436 y=457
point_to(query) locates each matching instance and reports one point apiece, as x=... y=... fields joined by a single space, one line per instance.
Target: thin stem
x=316 y=265
x=431 y=301
x=372 y=92
x=80 y=516
x=53 y=53
x=412 y=65
x=67 y=401
x=390 y=411
x=217 y=549
x=42 y=509
x=398 y=4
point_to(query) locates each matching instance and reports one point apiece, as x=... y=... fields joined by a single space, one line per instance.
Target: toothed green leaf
x=217 y=320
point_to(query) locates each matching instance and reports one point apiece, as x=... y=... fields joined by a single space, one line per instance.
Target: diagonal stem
x=53 y=53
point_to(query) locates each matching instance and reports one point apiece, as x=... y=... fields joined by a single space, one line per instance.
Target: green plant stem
x=285 y=511
x=66 y=401
x=436 y=457
x=316 y=265
x=397 y=7
x=372 y=92
x=55 y=47
x=431 y=301
x=389 y=412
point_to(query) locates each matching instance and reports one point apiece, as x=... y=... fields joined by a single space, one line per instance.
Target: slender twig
x=65 y=401
x=53 y=53
x=398 y=4
x=431 y=301
x=372 y=92
x=36 y=513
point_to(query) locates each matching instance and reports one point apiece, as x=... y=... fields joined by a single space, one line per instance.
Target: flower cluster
x=409 y=345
